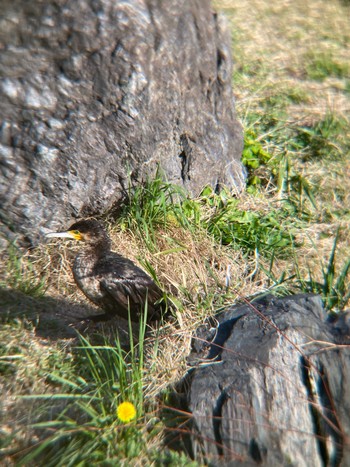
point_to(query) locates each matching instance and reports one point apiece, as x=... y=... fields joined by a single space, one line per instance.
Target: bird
x=108 y=279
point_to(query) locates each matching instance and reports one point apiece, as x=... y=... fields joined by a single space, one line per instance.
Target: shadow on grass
x=56 y=318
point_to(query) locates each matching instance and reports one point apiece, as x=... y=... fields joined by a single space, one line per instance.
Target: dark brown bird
x=109 y=280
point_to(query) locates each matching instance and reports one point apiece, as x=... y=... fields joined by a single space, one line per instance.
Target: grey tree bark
x=271 y=386
x=95 y=93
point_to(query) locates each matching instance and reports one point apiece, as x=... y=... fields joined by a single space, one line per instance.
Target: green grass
x=20 y=274
x=333 y=287
x=321 y=65
x=248 y=231
x=151 y=206
x=326 y=139
x=87 y=431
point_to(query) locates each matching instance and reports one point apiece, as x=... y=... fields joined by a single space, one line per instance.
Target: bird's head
x=88 y=231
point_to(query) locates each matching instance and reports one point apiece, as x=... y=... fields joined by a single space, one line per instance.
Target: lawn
x=61 y=396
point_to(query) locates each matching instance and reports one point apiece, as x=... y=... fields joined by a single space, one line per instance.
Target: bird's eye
x=76 y=232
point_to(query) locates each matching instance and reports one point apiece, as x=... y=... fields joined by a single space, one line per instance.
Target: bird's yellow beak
x=72 y=234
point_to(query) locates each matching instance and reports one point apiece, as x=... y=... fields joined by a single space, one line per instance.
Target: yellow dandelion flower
x=126 y=412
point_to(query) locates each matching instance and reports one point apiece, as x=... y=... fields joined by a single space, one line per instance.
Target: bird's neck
x=98 y=249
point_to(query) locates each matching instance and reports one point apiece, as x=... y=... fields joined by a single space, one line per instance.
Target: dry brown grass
x=273 y=44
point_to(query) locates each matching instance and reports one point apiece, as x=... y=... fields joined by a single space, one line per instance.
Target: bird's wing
x=128 y=287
